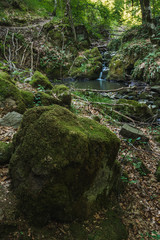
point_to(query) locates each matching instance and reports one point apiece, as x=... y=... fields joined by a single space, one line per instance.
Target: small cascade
x=105 y=69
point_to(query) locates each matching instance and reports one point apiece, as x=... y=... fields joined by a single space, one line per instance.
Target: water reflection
x=98 y=84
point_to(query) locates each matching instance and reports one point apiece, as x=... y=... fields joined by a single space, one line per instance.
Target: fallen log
x=105 y=91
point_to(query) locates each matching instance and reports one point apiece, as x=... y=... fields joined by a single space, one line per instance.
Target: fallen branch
x=105 y=91
x=4 y=44
x=112 y=110
x=130 y=119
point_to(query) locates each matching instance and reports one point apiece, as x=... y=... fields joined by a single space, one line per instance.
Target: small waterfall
x=103 y=73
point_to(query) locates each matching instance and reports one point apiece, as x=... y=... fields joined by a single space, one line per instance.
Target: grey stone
x=11 y=119
x=129 y=131
x=156 y=88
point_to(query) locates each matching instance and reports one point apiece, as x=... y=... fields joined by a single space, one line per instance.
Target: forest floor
x=140 y=201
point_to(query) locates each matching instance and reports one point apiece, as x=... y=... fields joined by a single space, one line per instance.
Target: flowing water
x=101 y=83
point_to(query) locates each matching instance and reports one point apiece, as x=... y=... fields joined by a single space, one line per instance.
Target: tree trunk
x=55 y=8
x=142 y=11
x=69 y=14
x=147 y=15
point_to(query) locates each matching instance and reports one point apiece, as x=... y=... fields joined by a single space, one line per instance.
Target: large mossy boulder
x=63 y=166
x=10 y=97
x=40 y=80
x=87 y=65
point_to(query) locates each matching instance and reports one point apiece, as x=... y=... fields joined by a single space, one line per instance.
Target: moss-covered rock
x=87 y=65
x=28 y=98
x=5 y=76
x=5 y=152
x=44 y=99
x=134 y=109
x=10 y=93
x=116 y=68
x=63 y=166
x=39 y=79
x=137 y=58
x=63 y=93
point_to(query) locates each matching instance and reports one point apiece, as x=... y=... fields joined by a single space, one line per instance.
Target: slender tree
x=55 y=8
x=69 y=15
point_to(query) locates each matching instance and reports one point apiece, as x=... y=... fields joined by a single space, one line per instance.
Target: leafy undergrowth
x=140 y=200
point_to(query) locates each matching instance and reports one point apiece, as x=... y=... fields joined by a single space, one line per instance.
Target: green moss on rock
x=134 y=109
x=9 y=91
x=87 y=65
x=5 y=76
x=40 y=79
x=63 y=166
x=63 y=93
x=5 y=152
x=47 y=99
x=116 y=68
x=28 y=98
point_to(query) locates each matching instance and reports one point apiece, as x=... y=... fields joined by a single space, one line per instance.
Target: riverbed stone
x=155 y=88
x=11 y=119
x=129 y=131
x=63 y=166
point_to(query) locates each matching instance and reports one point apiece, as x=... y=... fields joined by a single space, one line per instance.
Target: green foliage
x=151 y=236
x=115 y=44
x=137 y=49
x=94 y=15
x=20 y=75
x=93 y=97
x=148 y=68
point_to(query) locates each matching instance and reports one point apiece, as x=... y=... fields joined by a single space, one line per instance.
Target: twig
x=31 y=57
x=23 y=55
x=5 y=45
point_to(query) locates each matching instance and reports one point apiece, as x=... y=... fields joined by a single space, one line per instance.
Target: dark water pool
x=98 y=84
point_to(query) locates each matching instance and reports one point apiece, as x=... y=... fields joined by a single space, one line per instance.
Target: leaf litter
x=140 y=201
